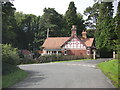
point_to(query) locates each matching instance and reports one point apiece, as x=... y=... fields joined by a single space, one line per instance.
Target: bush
x=9 y=54
x=27 y=61
x=52 y=58
x=8 y=68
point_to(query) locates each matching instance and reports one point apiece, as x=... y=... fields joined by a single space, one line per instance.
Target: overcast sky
x=36 y=6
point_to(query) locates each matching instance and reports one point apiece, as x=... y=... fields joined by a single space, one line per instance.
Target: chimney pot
x=73 y=27
x=73 y=30
x=84 y=34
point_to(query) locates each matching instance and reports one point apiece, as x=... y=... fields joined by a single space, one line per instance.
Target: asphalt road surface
x=80 y=74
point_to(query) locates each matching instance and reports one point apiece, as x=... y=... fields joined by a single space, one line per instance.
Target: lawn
x=110 y=69
x=13 y=77
x=70 y=60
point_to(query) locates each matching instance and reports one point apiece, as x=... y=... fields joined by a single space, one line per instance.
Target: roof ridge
x=58 y=37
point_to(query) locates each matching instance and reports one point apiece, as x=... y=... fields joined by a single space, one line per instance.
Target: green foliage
x=105 y=27
x=91 y=32
x=53 y=58
x=73 y=18
x=8 y=23
x=71 y=15
x=9 y=54
x=27 y=61
x=92 y=15
x=52 y=20
x=27 y=30
x=110 y=69
x=80 y=24
x=117 y=28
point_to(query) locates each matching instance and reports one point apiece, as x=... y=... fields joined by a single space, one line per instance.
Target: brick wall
x=76 y=52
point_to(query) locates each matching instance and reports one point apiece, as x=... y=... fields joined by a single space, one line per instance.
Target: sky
x=36 y=6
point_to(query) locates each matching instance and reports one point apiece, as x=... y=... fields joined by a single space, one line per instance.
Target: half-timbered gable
x=74 y=43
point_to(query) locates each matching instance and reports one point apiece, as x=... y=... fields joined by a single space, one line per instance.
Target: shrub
x=52 y=58
x=9 y=54
x=8 y=68
x=27 y=61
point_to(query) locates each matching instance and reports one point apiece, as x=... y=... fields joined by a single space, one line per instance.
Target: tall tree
x=92 y=16
x=71 y=15
x=27 y=26
x=8 y=23
x=53 y=21
x=105 y=27
x=73 y=18
x=117 y=27
x=80 y=24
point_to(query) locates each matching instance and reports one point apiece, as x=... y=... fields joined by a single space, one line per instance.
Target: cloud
x=36 y=6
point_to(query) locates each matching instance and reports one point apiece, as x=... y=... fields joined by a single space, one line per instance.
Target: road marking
x=81 y=65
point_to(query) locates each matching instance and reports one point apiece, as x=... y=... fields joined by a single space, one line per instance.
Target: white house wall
x=74 y=44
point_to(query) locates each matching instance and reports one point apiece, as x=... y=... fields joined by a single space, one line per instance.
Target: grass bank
x=110 y=69
x=70 y=60
x=10 y=79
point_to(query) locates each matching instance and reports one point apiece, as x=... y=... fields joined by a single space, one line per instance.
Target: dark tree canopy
x=74 y=18
x=71 y=15
x=52 y=20
x=8 y=23
x=105 y=27
x=92 y=15
x=117 y=27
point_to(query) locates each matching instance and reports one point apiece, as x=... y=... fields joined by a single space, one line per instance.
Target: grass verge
x=110 y=69
x=70 y=60
x=13 y=77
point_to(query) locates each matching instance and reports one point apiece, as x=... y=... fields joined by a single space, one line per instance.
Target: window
x=59 y=52
x=88 y=52
x=54 y=52
x=65 y=52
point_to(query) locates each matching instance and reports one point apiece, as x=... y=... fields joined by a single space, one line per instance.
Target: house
x=26 y=53
x=74 y=45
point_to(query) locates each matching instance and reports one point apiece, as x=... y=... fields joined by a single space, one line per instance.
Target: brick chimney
x=84 y=34
x=73 y=31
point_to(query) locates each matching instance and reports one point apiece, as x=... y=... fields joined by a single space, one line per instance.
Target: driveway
x=79 y=74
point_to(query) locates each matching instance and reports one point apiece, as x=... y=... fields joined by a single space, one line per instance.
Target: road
x=79 y=74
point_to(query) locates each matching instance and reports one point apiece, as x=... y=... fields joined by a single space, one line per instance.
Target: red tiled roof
x=57 y=42
x=25 y=52
x=54 y=42
x=88 y=41
x=39 y=51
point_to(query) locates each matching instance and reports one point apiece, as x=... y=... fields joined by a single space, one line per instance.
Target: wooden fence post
x=94 y=54
x=114 y=55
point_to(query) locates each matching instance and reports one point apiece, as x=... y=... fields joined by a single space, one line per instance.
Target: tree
x=105 y=27
x=8 y=23
x=71 y=15
x=27 y=28
x=117 y=27
x=73 y=18
x=92 y=16
x=80 y=24
x=52 y=20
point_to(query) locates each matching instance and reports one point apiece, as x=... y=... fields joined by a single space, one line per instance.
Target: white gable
x=74 y=44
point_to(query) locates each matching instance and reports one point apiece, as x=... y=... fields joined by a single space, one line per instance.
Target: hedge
x=52 y=58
